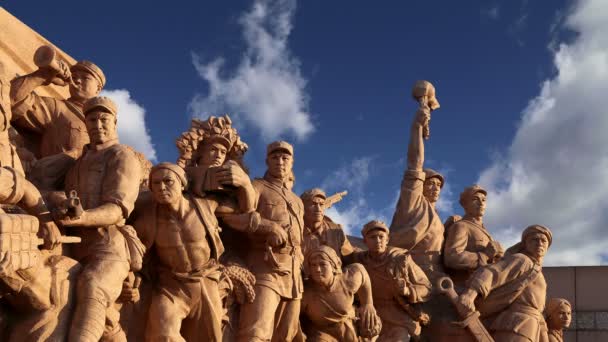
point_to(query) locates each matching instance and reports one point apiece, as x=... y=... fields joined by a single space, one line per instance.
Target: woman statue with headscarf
x=558 y=315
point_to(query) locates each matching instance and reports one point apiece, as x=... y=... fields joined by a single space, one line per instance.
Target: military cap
x=373 y=225
x=430 y=173
x=91 y=68
x=470 y=192
x=279 y=145
x=308 y=195
x=100 y=102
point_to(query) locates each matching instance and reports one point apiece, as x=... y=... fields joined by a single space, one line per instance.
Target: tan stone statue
x=397 y=284
x=37 y=284
x=184 y=232
x=59 y=124
x=416 y=225
x=320 y=229
x=512 y=291
x=274 y=253
x=469 y=245
x=328 y=303
x=106 y=180
x=8 y=153
x=558 y=315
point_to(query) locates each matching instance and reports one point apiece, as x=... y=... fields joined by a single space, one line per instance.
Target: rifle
x=333 y=199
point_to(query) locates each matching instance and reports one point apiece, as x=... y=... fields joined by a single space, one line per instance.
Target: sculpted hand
x=50 y=234
x=79 y=221
x=369 y=321
x=129 y=293
x=500 y=252
x=466 y=301
x=492 y=250
x=423 y=116
x=62 y=77
x=277 y=236
x=232 y=174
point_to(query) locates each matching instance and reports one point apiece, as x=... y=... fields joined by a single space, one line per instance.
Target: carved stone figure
x=184 y=232
x=328 y=302
x=106 y=178
x=320 y=229
x=37 y=284
x=416 y=225
x=8 y=153
x=397 y=283
x=512 y=291
x=558 y=315
x=275 y=255
x=59 y=124
x=469 y=245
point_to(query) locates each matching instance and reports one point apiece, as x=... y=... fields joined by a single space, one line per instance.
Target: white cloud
x=131 y=122
x=266 y=89
x=556 y=170
x=491 y=12
x=352 y=176
x=354 y=211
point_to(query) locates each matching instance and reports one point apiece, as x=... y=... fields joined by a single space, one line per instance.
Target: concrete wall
x=586 y=288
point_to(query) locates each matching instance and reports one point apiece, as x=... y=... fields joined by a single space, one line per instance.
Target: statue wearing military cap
x=469 y=245
x=275 y=254
x=397 y=283
x=513 y=290
x=106 y=179
x=320 y=230
x=416 y=225
x=54 y=127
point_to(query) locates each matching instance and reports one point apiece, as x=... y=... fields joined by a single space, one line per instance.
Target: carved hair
x=220 y=129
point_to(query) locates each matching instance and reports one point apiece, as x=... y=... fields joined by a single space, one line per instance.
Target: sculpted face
x=476 y=205
x=376 y=241
x=313 y=210
x=213 y=154
x=321 y=270
x=431 y=189
x=85 y=85
x=101 y=126
x=166 y=186
x=536 y=245
x=562 y=318
x=279 y=164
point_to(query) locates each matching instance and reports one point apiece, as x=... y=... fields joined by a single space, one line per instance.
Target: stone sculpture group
x=96 y=243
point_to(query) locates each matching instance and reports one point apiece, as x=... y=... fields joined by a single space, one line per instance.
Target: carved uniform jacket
x=463 y=251
x=331 y=312
x=106 y=173
x=417 y=227
x=60 y=124
x=331 y=235
x=501 y=283
x=396 y=263
x=281 y=205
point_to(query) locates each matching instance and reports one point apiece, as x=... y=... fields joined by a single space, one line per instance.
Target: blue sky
x=334 y=78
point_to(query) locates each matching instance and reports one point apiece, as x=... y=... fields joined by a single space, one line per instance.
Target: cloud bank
x=555 y=171
x=132 y=122
x=266 y=90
